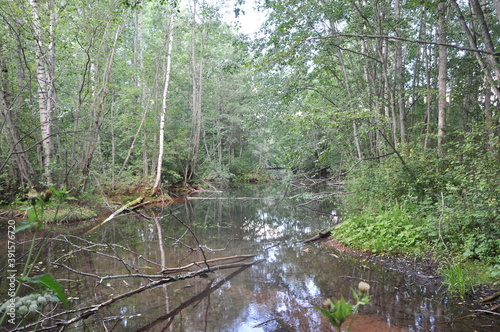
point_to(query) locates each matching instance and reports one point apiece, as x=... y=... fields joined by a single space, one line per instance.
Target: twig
x=239 y=258
x=63 y=238
x=490 y=298
x=89 y=311
x=194 y=235
x=487 y=312
x=207 y=291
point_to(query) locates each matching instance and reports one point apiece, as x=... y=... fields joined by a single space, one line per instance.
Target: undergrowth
x=448 y=207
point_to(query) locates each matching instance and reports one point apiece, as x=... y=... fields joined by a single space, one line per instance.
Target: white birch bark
x=45 y=91
x=170 y=37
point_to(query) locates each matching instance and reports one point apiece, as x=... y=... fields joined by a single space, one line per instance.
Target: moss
x=68 y=213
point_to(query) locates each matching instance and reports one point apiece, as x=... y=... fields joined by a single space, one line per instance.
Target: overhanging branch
x=417 y=41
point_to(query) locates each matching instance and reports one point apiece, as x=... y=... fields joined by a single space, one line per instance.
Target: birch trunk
x=399 y=80
x=473 y=44
x=170 y=37
x=442 y=68
x=45 y=88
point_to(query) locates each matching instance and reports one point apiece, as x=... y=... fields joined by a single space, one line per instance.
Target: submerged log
x=116 y=213
x=320 y=235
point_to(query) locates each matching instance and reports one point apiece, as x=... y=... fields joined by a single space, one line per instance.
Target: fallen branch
x=490 y=298
x=320 y=235
x=91 y=310
x=206 y=292
x=116 y=213
x=487 y=312
x=238 y=258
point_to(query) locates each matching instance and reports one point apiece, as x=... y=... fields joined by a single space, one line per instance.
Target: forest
x=397 y=99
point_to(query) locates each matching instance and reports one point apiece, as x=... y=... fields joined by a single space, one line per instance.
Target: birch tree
x=166 y=81
x=98 y=105
x=45 y=68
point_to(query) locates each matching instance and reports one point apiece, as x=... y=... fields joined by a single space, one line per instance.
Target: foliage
x=456 y=280
x=30 y=303
x=337 y=311
x=49 y=283
x=39 y=202
x=394 y=230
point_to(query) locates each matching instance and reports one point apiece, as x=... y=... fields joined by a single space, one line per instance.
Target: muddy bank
x=423 y=271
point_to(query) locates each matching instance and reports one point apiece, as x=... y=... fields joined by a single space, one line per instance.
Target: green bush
x=390 y=231
x=457 y=195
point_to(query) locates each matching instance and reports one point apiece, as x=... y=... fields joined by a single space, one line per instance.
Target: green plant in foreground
x=337 y=311
x=38 y=204
x=456 y=280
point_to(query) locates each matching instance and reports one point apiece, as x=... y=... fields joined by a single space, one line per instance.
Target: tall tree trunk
x=491 y=57
x=427 y=98
x=399 y=86
x=489 y=122
x=144 y=98
x=345 y=76
x=442 y=68
x=97 y=113
x=170 y=37
x=139 y=83
x=197 y=82
x=13 y=139
x=491 y=60
x=45 y=88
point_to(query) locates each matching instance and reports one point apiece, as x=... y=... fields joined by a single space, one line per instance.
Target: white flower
x=363 y=287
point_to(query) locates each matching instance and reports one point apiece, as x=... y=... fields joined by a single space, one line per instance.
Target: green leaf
x=32 y=215
x=50 y=283
x=328 y=315
x=55 y=191
x=343 y=311
x=24 y=224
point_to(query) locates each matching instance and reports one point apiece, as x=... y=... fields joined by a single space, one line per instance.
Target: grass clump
x=457 y=280
x=393 y=230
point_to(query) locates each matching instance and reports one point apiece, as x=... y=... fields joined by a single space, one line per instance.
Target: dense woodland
x=399 y=97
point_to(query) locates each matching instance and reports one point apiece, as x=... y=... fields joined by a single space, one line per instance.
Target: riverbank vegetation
x=399 y=99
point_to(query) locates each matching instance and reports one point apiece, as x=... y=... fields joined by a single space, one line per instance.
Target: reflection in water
x=209 y=289
x=274 y=295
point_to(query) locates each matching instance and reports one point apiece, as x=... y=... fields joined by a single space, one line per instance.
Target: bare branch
x=395 y=38
x=89 y=311
x=194 y=235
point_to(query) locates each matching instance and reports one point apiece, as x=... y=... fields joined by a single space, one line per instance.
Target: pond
x=272 y=295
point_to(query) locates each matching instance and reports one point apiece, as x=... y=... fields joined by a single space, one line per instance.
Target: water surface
x=273 y=295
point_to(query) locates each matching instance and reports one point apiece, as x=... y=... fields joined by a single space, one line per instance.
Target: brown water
x=273 y=295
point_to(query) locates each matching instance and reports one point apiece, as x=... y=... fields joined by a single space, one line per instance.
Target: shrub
x=390 y=231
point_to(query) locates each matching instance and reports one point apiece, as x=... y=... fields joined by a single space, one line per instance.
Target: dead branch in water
x=238 y=258
x=209 y=289
x=116 y=213
x=320 y=235
x=84 y=313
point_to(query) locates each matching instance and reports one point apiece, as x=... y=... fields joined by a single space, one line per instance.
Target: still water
x=272 y=295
